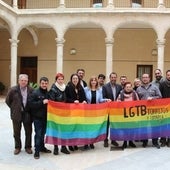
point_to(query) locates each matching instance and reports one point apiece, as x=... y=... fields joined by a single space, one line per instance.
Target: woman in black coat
x=74 y=94
x=57 y=93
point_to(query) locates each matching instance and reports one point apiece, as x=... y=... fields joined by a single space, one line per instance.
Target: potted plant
x=33 y=85
x=2 y=87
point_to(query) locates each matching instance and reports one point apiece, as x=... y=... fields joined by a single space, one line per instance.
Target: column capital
x=62 y=4
x=15 y=4
x=60 y=41
x=110 y=4
x=109 y=40
x=160 y=42
x=14 y=42
x=161 y=4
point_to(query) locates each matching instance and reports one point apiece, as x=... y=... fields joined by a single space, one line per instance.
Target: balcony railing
x=40 y=4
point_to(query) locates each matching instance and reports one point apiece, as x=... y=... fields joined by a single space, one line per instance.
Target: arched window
x=97 y=3
x=136 y=3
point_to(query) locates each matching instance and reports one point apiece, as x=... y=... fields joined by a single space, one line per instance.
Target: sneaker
x=36 y=155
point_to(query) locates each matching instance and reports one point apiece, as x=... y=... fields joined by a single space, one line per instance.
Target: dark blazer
x=107 y=91
x=71 y=95
x=84 y=83
x=14 y=102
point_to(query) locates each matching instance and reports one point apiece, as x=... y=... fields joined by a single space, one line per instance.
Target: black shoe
x=131 y=144
x=106 y=144
x=168 y=143
x=114 y=143
x=71 y=148
x=163 y=144
x=156 y=145
x=45 y=150
x=86 y=147
x=75 y=147
x=91 y=146
x=55 y=152
x=124 y=145
x=36 y=155
x=145 y=144
x=64 y=150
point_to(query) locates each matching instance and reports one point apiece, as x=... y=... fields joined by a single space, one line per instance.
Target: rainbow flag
x=76 y=124
x=136 y=120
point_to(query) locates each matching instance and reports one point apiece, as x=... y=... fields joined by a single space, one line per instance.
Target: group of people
x=29 y=105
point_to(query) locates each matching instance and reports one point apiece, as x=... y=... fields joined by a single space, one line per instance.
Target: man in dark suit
x=111 y=91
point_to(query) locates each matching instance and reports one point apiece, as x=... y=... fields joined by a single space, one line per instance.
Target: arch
x=84 y=24
x=34 y=34
x=32 y=26
x=134 y=24
x=4 y=24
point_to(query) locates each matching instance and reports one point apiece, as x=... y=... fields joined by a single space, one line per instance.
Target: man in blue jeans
x=38 y=103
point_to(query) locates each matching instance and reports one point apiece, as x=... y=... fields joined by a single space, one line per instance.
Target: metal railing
x=40 y=4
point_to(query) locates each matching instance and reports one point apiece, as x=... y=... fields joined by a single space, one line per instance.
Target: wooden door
x=28 y=65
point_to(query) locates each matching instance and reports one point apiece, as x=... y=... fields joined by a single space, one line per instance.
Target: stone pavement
x=98 y=159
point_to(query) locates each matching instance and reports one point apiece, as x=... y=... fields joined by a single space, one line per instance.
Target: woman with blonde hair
x=94 y=95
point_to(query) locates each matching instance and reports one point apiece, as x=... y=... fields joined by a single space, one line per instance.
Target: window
x=97 y=3
x=136 y=3
x=21 y=4
x=141 y=69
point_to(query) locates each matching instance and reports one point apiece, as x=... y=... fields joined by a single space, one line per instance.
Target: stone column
x=14 y=45
x=15 y=4
x=62 y=4
x=161 y=48
x=110 y=3
x=59 y=57
x=109 y=54
x=161 y=4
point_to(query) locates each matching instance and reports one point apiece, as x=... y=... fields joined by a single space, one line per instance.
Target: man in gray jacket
x=148 y=91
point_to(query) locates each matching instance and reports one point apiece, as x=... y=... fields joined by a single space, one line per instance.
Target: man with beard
x=148 y=91
x=111 y=91
x=81 y=74
x=158 y=77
